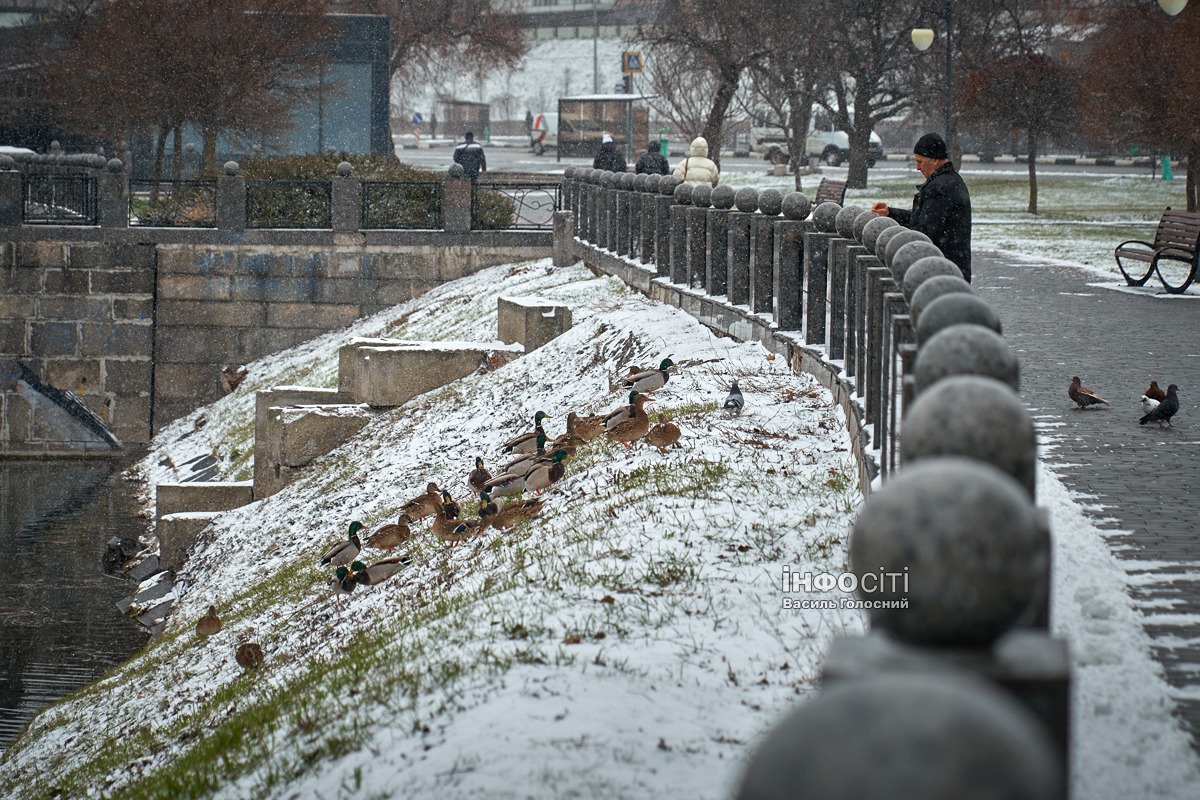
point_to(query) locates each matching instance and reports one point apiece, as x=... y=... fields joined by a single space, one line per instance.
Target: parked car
x=8 y=150
x=832 y=147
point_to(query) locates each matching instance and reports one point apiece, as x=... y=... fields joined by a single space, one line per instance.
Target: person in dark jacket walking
x=609 y=158
x=942 y=206
x=470 y=154
x=652 y=162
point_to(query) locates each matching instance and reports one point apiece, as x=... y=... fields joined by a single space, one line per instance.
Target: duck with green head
x=650 y=380
x=346 y=550
x=526 y=442
x=381 y=570
x=547 y=473
x=620 y=413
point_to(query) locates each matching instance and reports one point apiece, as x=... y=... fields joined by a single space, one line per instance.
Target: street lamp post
x=922 y=38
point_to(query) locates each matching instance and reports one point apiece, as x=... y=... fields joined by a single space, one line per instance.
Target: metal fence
x=288 y=204
x=173 y=204
x=514 y=206
x=58 y=199
x=401 y=204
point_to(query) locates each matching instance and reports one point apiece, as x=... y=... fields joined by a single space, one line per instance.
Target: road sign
x=631 y=61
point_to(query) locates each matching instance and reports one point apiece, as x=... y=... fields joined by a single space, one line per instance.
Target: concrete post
x=231 y=199
x=620 y=227
x=697 y=247
x=738 y=257
x=679 y=264
x=762 y=268
x=873 y=345
x=816 y=266
x=716 y=279
x=662 y=234
x=649 y=218
x=112 y=193
x=610 y=210
x=789 y=274
x=456 y=202
x=346 y=200
x=837 y=298
x=633 y=226
x=564 y=224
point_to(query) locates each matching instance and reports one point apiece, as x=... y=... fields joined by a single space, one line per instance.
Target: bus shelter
x=583 y=121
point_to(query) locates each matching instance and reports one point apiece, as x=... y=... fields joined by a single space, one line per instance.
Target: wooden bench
x=1177 y=239
x=830 y=192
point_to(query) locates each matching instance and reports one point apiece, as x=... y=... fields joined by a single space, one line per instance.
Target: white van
x=545 y=132
x=831 y=147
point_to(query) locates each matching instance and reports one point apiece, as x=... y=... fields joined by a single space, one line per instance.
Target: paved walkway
x=1147 y=480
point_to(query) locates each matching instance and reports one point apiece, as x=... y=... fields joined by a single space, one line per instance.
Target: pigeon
x=1148 y=404
x=1082 y=395
x=734 y=403
x=1165 y=410
x=249 y=655
x=232 y=376
x=1155 y=392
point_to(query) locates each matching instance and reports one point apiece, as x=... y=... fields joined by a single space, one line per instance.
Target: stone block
x=63 y=281
x=74 y=309
x=268 y=477
x=258 y=342
x=345 y=290
x=180 y=381
x=194 y=344
x=177 y=534
x=12 y=337
x=173 y=498
x=41 y=254
x=127 y=378
x=194 y=287
x=17 y=306
x=309 y=432
x=531 y=321
x=130 y=308
x=136 y=256
x=389 y=372
x=130 y=418
x=83 y=377
x=92 y=256
x=197 y=312
x=115 y=339
x=54 y=338
x=305 y=315
x=125 y=281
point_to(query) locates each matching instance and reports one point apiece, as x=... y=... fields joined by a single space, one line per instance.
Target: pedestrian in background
x=652 y=162
x=942 y=205
x=470 y=154
x=609 y=158
x=417 y=122
x=432 y=125
x=697 y=168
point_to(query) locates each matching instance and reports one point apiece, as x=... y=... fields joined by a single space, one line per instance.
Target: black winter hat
x=932 y=146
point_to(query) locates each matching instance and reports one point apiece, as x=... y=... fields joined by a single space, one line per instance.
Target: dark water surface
x=59 y=625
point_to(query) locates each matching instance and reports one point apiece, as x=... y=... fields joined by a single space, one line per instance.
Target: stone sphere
x=609 y=179
x=797 y=206
x=899 y=240
x=595 y=176
x=569 y=172
x=977 y=418
x=683 y=193
x=966 y=350
x=843 y=223
x=344 y=168
x=923 y=270
x=723 y=196
x=702 y=195
x=114 y=165
x=98 y=161
x=7 y=162
x=940 y=736
x=956 y=309
x=908 y=254
x=933 y=288
x=746 y=199
x=667 y=184
x=860 y=223
x=770 y=202
x=231 y=168
x=875 y=227
x=885 y=236
x=55 y=147
x=825 y=217
x=969 y=540
x=628 y=180
x=455 y=171
x=640 y=181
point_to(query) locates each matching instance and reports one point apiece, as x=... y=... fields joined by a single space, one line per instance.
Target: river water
x=59 y=625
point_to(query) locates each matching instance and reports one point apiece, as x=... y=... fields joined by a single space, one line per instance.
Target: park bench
x=830 y=192
x=1177 y=240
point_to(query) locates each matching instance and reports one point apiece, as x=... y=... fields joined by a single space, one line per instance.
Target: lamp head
x=922 y=37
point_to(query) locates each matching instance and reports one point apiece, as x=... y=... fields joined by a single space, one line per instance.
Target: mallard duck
x=663 y=435
x=209 y=624
x=391 y=535
x=382 y=569
x=249 y=655
x=345 y=551
x=635 y=427
x=478 y=477
x=522 y=463
x=547 y=472
x=507 y=484
x=423 y=505
x=650 y=380
x=515 y=513
x=526 y=442
x=449 y=507
x=343 y=582
x=444 y=525
x=622 y=413
x=586 y=428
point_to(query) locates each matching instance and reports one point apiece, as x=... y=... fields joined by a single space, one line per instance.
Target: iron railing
x=176 y=204
x=514 y=206
x=58 y=199
x=401 y=204
x=288 y=204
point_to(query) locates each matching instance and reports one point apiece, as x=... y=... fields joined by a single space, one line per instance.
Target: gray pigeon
x=735 y=402
x=1165 y=410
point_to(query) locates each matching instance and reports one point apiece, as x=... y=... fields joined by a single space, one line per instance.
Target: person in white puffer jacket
x=697 y=168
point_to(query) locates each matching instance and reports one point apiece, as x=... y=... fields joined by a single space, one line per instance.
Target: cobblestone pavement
x=1145 y=480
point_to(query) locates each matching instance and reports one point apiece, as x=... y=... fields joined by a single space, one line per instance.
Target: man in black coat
x=470 y=155
x=652 y=162
x=942 y=206
x=609 y=158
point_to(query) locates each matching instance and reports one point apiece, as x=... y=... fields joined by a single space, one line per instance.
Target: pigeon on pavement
x=1165 y=410
x=1149 y=404
x=734 y=403
x=1155 y=392
x=1083 y=396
